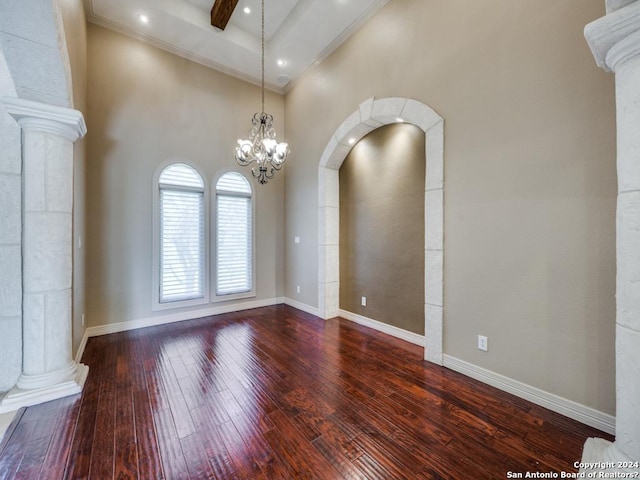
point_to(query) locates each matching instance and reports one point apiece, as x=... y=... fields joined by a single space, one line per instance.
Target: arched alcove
x=371 y=114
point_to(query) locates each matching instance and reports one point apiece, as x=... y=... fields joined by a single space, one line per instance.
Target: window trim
x=215 y=298
x=157 y=305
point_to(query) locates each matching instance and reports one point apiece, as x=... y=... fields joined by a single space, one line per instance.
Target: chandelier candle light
x=262 y=147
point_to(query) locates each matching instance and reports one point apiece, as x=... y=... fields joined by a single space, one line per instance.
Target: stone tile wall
x=10 y=252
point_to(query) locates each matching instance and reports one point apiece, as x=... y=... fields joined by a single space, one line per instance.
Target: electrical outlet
x=483 y=343
x=296 y=239
x=298 y=289
x=364 y=301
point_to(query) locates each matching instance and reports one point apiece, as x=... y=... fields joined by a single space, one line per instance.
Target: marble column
x=615 y=42
x=48 y=370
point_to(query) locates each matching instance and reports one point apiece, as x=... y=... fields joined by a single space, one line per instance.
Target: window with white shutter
x=233 y=236
x=181 y=234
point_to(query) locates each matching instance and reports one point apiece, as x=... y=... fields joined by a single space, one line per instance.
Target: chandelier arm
x=275 y=166
x=243 y=162
x=270 y=173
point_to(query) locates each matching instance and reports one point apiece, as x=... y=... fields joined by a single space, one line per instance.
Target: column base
x=602 y=457
x=19 y=397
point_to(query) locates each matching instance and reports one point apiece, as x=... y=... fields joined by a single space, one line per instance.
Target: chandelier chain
x=261 y=148
x=263 y=56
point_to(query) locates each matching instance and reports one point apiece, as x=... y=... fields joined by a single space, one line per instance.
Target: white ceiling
x=300 y=32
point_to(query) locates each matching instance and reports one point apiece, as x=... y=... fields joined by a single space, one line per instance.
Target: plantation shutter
x=234 y=236
x=182 y=234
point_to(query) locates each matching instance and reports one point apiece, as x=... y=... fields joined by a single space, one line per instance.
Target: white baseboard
x=82 y=346
x=301 y=306
x=188 y=315
x=172 y=318
x=568 y=408
x=384 y=328
x=178 y=317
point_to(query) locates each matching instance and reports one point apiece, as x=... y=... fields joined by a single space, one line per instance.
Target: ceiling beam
x=221 y=12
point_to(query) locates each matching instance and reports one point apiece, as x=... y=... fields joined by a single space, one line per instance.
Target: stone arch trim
x=371 y=114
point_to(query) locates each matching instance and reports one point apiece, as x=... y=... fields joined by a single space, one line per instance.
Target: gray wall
x=530 y=181
x=147 y=107
x=382 y=183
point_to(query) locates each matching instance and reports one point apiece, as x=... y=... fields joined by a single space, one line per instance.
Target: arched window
x=234 y=272
x=181 y=235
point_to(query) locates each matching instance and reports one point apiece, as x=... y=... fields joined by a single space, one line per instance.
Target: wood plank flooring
x=275 y=393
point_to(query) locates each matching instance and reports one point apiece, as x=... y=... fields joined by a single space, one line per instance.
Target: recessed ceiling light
x=246 y=10
x=352 y=141
x=143 y=18
x=281 y=62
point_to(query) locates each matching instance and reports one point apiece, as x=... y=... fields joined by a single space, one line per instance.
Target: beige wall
x=148 y=107
x=529 y=177
x=73 y=16
x=382 y=183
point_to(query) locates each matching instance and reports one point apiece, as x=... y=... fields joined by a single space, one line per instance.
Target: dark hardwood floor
x=275 y=393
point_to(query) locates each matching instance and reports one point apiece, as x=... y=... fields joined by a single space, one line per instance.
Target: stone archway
x=371 y=114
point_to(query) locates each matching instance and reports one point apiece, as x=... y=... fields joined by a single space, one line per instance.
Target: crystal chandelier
x=262 y=147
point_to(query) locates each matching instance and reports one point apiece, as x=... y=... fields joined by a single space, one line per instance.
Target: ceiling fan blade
x=221 y=12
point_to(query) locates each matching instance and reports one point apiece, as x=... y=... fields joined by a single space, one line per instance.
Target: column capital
x=615 y=38
x=42 y=117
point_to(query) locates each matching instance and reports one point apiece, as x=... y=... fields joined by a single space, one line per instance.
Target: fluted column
x=48 y=134
x=615 y=43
